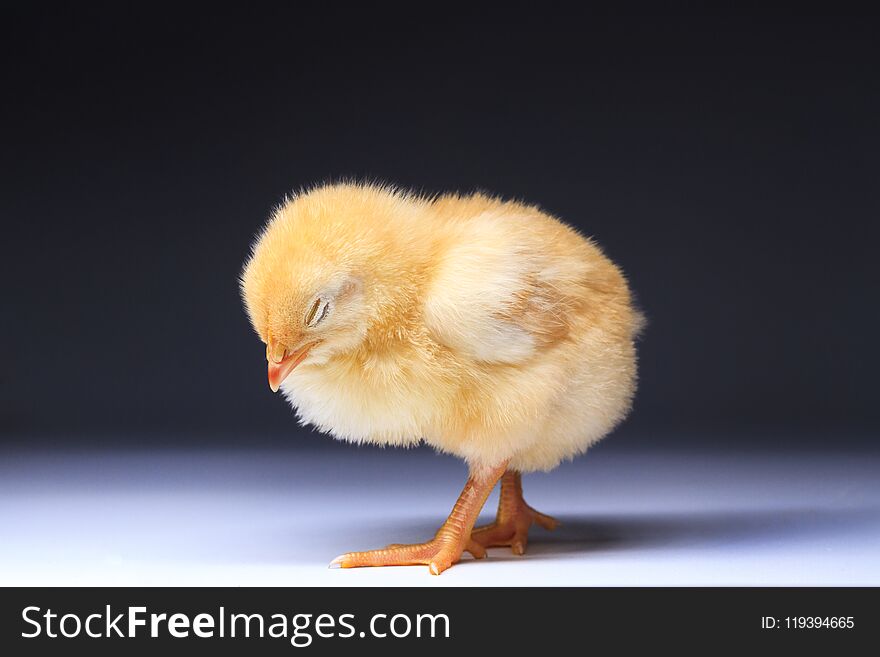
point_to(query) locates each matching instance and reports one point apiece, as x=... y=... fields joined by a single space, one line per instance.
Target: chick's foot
x=513 y=519
x=438 y=555
x=451 y=540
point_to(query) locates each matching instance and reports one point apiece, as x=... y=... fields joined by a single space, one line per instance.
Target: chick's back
x=542 y=325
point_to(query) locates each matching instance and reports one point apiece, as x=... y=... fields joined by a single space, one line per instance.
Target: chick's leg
x=513 y=519
x=450 y=541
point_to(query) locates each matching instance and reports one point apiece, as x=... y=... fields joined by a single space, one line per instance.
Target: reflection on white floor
x=277 y=517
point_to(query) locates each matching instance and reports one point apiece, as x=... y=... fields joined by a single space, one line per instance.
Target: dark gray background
x=729 y=163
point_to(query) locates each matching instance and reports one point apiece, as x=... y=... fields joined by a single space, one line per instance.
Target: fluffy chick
x=485 y=328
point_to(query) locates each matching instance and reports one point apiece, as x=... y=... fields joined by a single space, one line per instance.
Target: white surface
x=277 y=517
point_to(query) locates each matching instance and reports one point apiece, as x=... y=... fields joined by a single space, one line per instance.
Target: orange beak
x=281 y=363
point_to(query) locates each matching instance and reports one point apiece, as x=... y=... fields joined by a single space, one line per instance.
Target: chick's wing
x=500 y=294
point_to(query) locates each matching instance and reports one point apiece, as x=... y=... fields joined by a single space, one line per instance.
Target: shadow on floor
x=592 y=534
x=695 y=530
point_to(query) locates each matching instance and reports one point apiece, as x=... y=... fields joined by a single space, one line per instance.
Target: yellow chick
x=485 y=328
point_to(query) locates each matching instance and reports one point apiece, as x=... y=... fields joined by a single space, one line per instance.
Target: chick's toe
x=513 y=519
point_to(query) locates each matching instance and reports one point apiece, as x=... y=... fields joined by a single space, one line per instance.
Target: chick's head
x=303 y=290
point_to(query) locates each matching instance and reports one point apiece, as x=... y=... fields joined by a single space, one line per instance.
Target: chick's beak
x=282 y=362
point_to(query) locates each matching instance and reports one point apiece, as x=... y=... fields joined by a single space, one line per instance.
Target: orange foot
x=513 y=519
x=451 y=540
x=438 y=554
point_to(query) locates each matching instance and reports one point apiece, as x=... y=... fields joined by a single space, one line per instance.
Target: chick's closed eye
x=317 y=312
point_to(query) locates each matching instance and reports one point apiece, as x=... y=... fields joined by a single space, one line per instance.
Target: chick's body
x=486 y=328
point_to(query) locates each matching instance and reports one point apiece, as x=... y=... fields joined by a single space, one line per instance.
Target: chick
x=485 y=328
